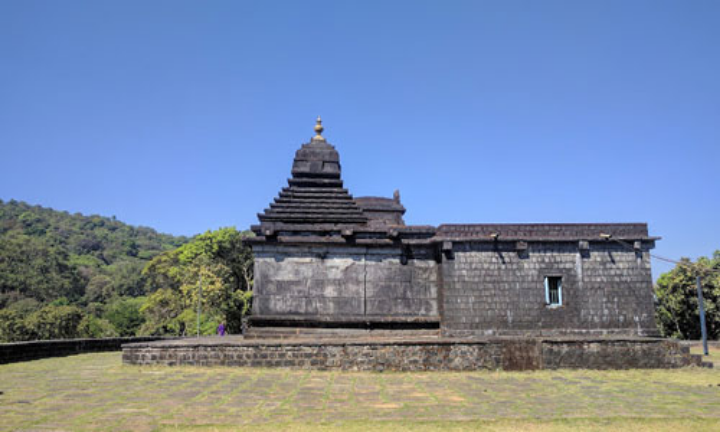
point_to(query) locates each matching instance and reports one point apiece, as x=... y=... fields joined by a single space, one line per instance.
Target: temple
x=342 y=283
x=325 y=259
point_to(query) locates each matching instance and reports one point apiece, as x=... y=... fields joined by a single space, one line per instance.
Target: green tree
x=12 y=326
x=54 y=322
x=99 y=289
x=127 y=278
x=124 y=315
x=677 y=311
x=34 y=269
x=56 y=258
x=42 y=251
x=93 y=327
x=225 y=265
x=161 y=311
x=20 y=304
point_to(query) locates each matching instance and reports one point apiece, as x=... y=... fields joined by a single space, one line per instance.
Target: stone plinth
x=416 y=354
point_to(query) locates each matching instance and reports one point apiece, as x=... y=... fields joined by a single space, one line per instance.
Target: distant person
x=221 y=329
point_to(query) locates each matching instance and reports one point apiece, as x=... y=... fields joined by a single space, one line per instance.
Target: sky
x=184 y=116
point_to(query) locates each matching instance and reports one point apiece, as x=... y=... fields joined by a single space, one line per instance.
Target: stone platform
x=416 y=353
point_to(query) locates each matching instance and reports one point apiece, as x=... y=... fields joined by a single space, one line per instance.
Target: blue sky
x=184 y=116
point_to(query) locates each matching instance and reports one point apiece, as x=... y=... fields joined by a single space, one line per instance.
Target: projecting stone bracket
x=584 y=248
x=447 y=250
x=349 y=235
x=406 y=255
x=637 y=246
x=521 y=247
x=271 y=236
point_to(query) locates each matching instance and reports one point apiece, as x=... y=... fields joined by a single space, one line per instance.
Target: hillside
x=46 y=255
x=68 y=275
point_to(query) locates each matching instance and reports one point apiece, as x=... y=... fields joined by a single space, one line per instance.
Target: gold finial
x=318 y=130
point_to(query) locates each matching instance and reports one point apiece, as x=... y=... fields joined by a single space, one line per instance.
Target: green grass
x=98 y=392
x=572 y=425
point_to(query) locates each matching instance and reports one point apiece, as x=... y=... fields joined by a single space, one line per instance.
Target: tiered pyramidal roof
x=315 y=193
x=315 y=208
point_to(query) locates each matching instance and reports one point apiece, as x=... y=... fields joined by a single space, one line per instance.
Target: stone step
x=697 y=360
x=308 y=189
x=347 y=211
x=326 y=218
x=335 y=333
x=329 y=195
x=315 y=182
x=326 y=205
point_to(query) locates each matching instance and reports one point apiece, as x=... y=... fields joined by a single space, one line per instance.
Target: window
x=553 y=290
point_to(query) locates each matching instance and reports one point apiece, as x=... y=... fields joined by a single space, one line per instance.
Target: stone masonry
x=491 y=289
x=352 y=282
x=324 y=258
x=418 y=354
x=34 y=350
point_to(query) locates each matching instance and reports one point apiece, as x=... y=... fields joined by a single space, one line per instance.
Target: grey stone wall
x=33 y=350
x=342 y=281
x=421 y=355
x=616 y=354
x=494 y=290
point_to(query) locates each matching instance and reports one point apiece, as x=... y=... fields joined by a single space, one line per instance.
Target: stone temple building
x=326 y=259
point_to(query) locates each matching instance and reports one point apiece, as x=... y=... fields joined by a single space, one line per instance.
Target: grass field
x=98 y=392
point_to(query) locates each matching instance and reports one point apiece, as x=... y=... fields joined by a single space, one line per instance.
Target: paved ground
x=96 y=391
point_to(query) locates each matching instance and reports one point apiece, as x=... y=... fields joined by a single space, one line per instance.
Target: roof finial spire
x=318 y=130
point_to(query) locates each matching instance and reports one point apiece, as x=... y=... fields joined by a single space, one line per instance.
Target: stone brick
x=429 y=354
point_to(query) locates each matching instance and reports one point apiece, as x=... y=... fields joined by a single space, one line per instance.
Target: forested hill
x=47 y=255
x=67 y=275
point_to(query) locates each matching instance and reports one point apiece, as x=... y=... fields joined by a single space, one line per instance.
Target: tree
x=99 y=289
x=93 y=327
x=54 y=322
x=127 y=278
x=225 y=264
x=45 y=254
x=677 y=311
x=73 y=275
x=35 y=269
x=12 y=326
x=161 y=311
x=124 y=315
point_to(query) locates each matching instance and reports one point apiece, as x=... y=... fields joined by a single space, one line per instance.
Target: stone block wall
x=396 y=289
x=421 y=355
x=342 y=282
x=480 y=289
x=492 y=289
x=33 y=350
x=616 y=354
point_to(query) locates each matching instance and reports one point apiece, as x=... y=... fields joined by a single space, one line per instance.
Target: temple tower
x=325 y=259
